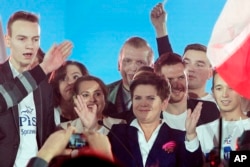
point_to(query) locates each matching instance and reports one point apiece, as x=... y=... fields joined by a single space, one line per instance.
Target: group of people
x=157 y=114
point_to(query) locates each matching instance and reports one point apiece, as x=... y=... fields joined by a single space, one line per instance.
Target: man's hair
x=195 y=46
x=40 y=55
x=138 y=42
x=145 y=68
x=161 y=85
x=214 y=73
x=168 y=58
x=21 y=15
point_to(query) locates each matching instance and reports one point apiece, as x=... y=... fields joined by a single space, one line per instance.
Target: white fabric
x=145 y=146
x=107 y=121
x=229 y=32
x=208 y=134
x=27 y=124
x=57 y=112
x=175 y=121
x=192 y=145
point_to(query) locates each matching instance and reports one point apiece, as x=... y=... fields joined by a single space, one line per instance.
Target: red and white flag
x=3 y=55
x=229 y=46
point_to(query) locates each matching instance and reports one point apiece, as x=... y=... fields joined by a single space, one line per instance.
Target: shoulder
x=123 y=128
x=172 y=131
x=114 y=84
x=208 y=97
x=206 y=105
x=111 y=120
x=5 y=72
x=76 y=123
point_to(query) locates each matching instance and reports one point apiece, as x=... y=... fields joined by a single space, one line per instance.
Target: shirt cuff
x=192 y=145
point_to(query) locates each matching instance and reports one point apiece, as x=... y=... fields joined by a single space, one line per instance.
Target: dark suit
x=127 y=151
x=209 y=111
x=9 y=120
x=116 y=102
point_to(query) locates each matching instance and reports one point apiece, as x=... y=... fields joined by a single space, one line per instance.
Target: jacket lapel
x=134 y=146
x=5 y=69
x=39 y=124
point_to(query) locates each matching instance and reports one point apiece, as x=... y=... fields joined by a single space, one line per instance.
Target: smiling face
x=226 y=98
x=178 y=81
x=147 y=105
x=93 y=95
x=24 y=43
x=131 y=59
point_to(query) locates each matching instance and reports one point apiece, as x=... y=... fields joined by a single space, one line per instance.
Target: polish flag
x=229 y=46
x=3 y=55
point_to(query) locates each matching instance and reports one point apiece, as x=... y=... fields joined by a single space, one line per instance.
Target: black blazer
x=209 y=111
x=126 y=150
x=9 y=119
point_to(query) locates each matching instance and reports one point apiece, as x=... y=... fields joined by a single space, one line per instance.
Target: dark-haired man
x=197 y=65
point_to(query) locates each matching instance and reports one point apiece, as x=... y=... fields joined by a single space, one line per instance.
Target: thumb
x=69 y=131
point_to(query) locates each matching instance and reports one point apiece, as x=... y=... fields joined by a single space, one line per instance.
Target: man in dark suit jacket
x=134 y=54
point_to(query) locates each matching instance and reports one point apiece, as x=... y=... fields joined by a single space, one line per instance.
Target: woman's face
x=66 y=85
x=93 y=95
x=147 y=105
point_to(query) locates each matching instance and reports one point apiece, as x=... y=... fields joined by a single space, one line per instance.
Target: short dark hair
x=150 y=78
x=40 y=55
x=195 y=46
x=21 y=15
x=214 y=73
x=59 y=75
x=168 y=58
x=145 y=68
x=138 y=42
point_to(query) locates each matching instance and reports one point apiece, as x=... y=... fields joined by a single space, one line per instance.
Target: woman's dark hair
x=150 y=78
x=91 y=78
x=59 y=75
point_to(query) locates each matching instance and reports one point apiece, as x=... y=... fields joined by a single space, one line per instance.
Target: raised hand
x=191 y=121
x=158 y=18
x=99 y=143
x=56 y=56
x=55 y=144
x=87 y=115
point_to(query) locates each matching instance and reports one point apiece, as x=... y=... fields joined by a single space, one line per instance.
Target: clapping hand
x=191 y=121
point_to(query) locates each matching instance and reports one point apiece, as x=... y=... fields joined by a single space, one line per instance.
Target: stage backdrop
x=99 y=28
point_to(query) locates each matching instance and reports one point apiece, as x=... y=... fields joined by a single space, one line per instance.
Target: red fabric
x=236 y=69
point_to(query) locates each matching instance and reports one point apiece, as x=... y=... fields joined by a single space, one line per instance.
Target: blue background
x=98 y=28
